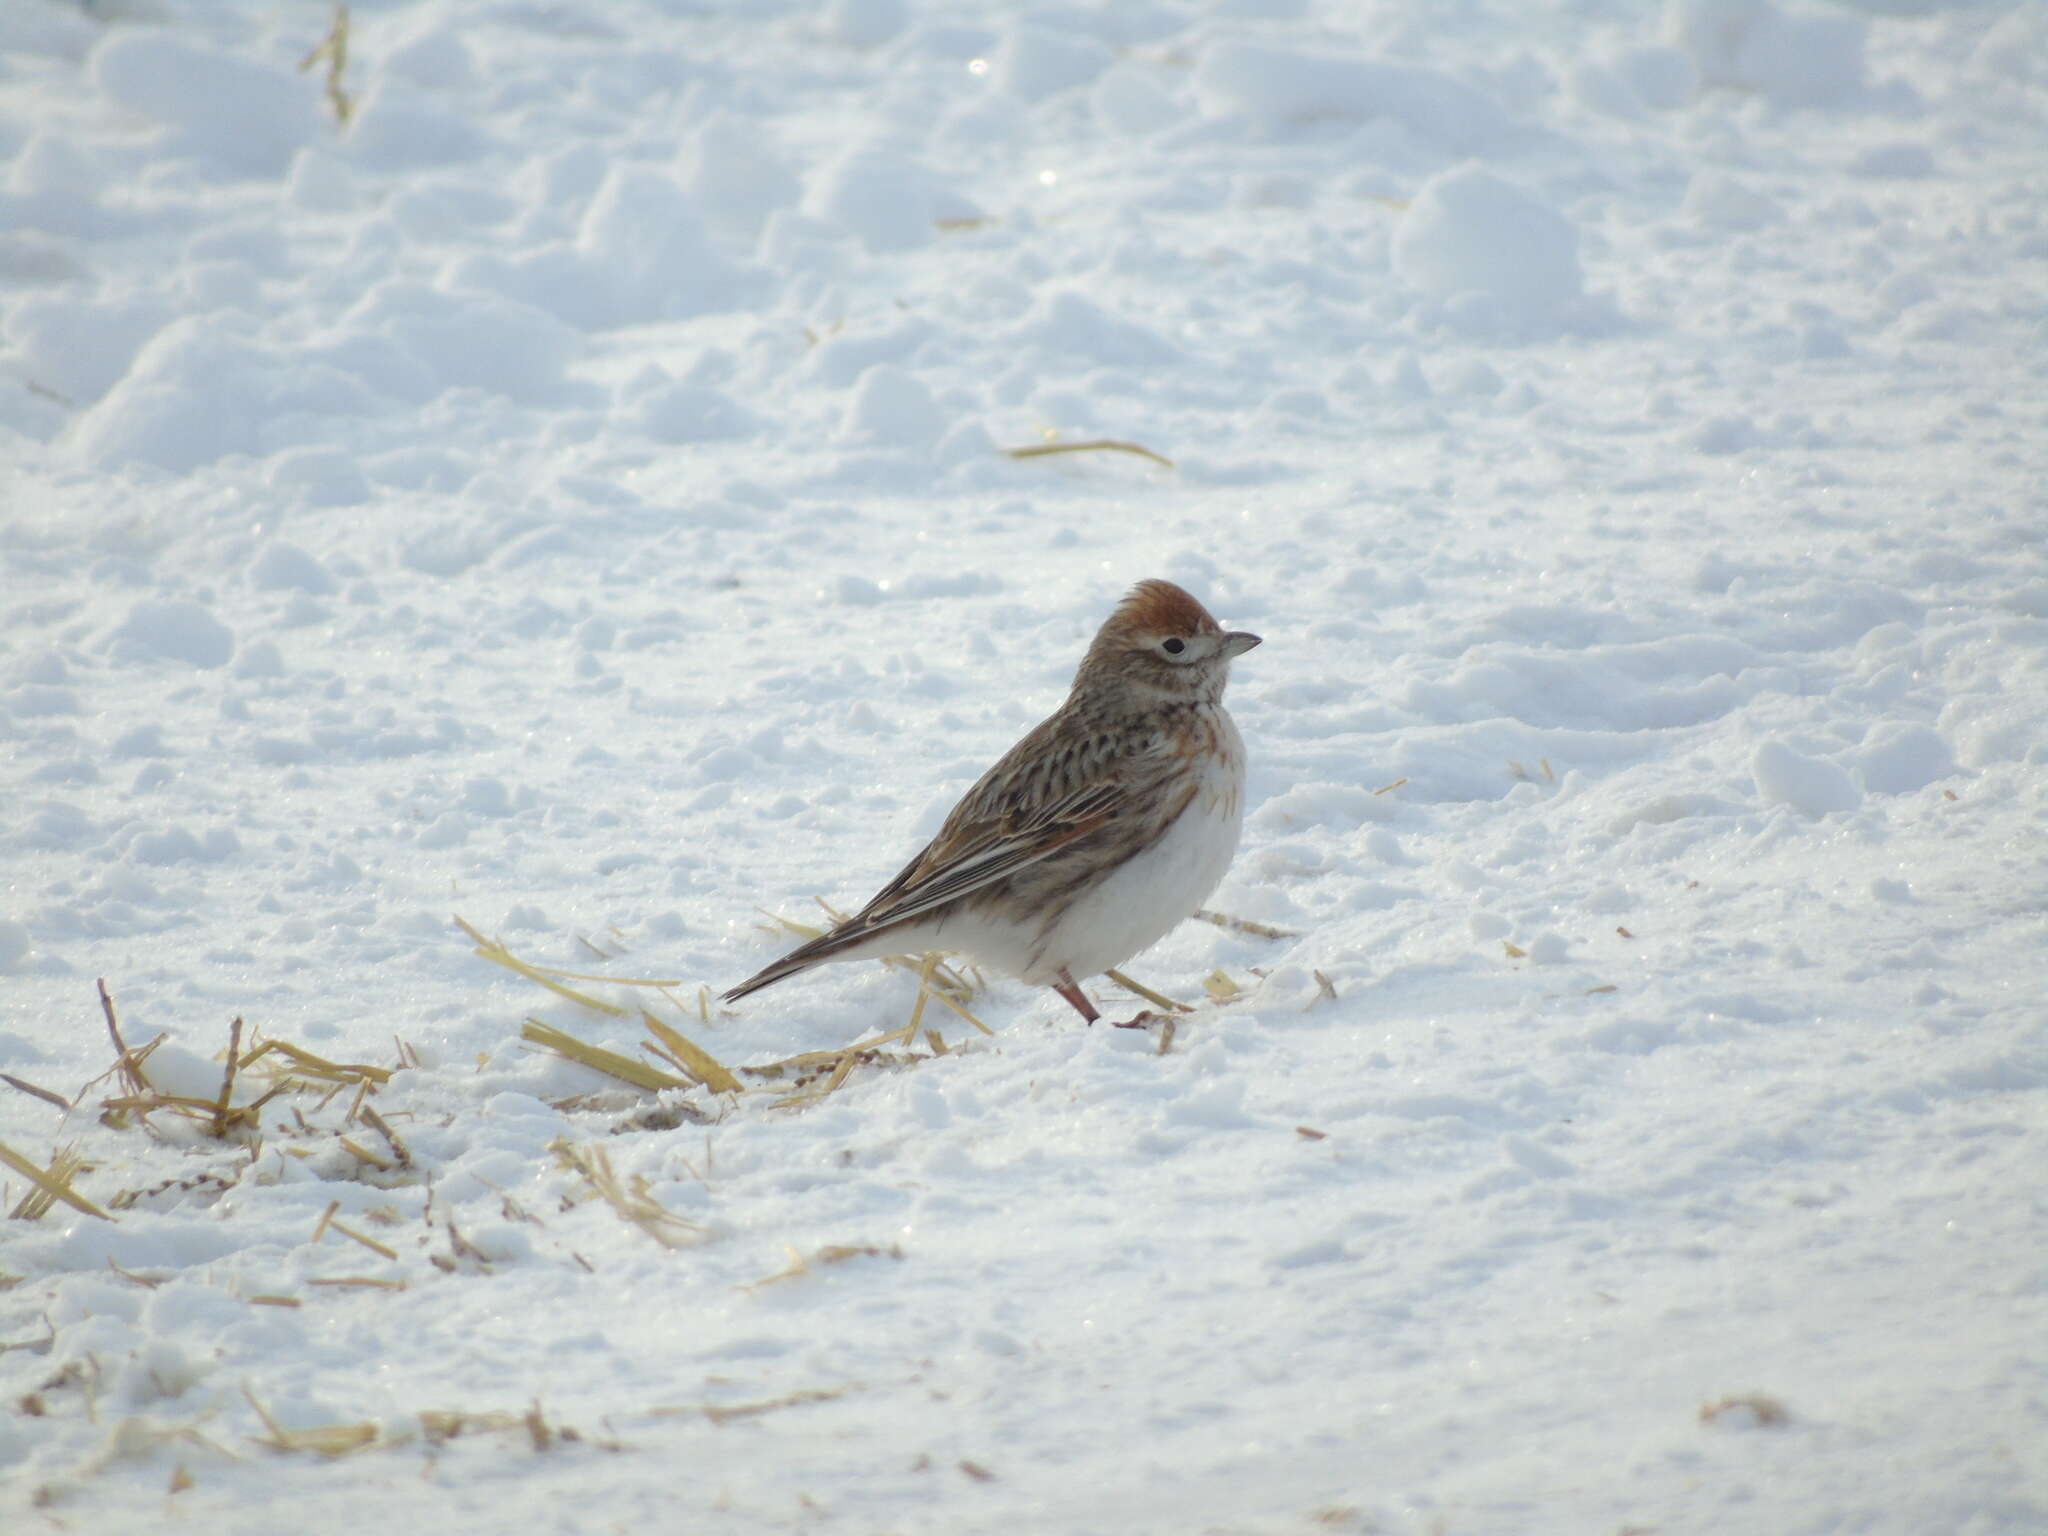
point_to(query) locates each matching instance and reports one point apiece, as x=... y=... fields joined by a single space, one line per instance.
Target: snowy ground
x=572 y=498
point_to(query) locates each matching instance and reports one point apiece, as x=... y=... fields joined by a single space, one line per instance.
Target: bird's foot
x=1144 y=1020
x=1067 y=988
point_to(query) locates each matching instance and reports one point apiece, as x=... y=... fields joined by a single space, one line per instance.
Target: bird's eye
x=1174 y=646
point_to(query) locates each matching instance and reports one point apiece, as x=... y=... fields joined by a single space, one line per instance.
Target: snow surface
x=571 y=497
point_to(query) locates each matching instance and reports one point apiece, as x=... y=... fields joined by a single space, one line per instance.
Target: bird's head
x=1164 y=644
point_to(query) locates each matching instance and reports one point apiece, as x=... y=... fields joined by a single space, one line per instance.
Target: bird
x=1102 y=829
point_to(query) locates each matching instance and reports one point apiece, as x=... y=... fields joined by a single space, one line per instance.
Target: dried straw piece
x=691 y=1057
x=632 y=1203
x=329 y=1440
x=376 y=1123
x=657 y=982
x=440 y=1425
x=970 y=1018
x=806 y=1061
x=328 y=1221
x=831 y=1253
x=1093 y=445
x=832 y=1083
x=555 y=979
x=360 y=1283
x=344 y=1073
x=498 y=954
x=1766 y=1411
x=1221 y=987
x=836 y=1065
x=222 y=1106
x=526 y=966
x=778 y=924
x=924 y=993
x=208 y=1111
x=325 y=1099
x=30 y=1088
x=1156 y=999
x=461 y=1247
x=365 y=1155
x=368 y=1242
x=598 y=1059
x=1231 y=924
x=726 y=1413
x=334 y=49
x=127 y=1199
x=130 y=1064
x=51 y=1184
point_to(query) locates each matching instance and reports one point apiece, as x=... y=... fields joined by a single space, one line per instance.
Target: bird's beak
x=1237 y=642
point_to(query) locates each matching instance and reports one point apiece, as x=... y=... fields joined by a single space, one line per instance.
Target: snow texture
x=572 y=495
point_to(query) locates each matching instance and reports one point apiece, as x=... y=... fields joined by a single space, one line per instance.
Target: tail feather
x=781 y=970
x=825 y=948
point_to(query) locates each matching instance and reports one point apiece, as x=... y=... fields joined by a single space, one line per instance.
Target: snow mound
x=1898 y=759
x=1814 y=785
x=246 y=117
x=646 y=254
x=1469 y=233
x=891 y=406
x=172 y=630
x=1033 y=62
x=890 y=201
x=1793 y=58
x=865 y=23
x=200 y=391
x=1284 y=86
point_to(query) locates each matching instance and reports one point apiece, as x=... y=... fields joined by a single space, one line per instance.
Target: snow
x=572 y=496
x=1786 y=776
x=1470 y=232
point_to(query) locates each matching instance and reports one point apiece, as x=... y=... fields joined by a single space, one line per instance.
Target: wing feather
x=1055 y=787
x=965 y=858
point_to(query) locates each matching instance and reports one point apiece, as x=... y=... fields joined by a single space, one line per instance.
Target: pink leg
x=1068 y=988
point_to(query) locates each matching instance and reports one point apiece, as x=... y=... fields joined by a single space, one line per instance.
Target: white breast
x=1137 y=904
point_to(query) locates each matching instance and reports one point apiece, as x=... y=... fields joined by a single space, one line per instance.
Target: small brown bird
x=1102 y=829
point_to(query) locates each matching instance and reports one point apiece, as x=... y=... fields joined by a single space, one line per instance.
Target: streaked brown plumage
x=1109 y=823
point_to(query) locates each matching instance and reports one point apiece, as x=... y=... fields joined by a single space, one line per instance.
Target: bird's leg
x=1068 y=988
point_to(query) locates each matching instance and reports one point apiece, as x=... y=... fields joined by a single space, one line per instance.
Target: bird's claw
x=1144 y=1020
